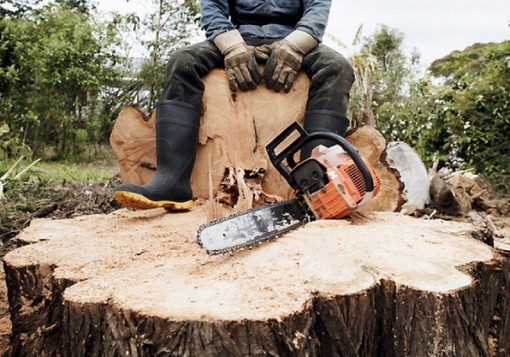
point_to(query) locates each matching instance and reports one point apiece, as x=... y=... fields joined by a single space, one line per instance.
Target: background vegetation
x=457 y=113
x=66 y=71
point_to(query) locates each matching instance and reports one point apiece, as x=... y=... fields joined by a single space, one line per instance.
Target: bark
x=137 y=284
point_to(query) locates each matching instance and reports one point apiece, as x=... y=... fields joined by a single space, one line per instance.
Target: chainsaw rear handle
x=303 y=139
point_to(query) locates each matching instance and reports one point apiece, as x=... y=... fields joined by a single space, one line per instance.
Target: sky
x=433 y=27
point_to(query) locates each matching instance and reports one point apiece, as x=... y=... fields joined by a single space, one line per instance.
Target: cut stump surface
x=138 y=284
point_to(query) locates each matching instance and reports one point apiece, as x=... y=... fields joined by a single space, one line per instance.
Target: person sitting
x=286 y=34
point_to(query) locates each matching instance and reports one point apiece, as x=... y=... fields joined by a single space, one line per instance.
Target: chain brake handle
x=287 y=154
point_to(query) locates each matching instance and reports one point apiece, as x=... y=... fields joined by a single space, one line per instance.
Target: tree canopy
x=473 y=126
x=64 y=74
x=53 y=73
x=457 y=114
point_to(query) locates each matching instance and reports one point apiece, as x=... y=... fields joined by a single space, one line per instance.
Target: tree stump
x=232 y=165
x=137 y=284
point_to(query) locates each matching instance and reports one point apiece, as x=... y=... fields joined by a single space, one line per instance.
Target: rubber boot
x=323 y=121
x=177 y=126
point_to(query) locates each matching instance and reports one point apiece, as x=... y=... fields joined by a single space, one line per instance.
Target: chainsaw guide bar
x=256 y=225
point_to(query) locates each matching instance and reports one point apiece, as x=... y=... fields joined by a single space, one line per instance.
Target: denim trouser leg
x=331 y=77
x=185 y=70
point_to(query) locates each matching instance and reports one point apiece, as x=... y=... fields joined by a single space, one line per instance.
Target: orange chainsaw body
x=345 y=190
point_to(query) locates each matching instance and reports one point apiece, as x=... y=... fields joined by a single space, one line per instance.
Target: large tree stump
x=137 y=284
x=234 y=131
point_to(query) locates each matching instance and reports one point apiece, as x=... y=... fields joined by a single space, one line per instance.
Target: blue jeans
x=330 y=73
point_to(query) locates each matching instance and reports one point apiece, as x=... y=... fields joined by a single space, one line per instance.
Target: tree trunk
x=137 y=284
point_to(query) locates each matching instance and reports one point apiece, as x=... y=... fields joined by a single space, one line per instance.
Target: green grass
x=57 y=172
x=99 y=168
x=32 y=188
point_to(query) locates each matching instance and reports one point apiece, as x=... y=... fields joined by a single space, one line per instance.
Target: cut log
x=372 y=146
x=133 y=141
x=413 y=173
x=231 y=158
x=448 y=198
x=137 y=284
x=234 y=130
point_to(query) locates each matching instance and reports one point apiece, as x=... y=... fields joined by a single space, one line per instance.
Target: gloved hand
x=262 y=53
x=286 y=58
x=239 y=60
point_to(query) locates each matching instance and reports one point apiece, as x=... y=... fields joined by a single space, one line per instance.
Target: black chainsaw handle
x=303 y=139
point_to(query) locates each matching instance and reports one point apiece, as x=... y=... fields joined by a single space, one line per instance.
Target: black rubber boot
x=323 y=121
x=177 y=126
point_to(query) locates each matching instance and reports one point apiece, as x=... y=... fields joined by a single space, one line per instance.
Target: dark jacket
x=265 y=18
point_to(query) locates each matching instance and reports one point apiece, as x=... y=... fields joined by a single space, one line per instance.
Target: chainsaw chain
x=301 y=202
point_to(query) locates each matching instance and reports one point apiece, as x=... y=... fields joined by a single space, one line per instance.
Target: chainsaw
x=330 y=184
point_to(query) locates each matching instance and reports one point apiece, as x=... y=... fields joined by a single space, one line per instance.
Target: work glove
x=286 y=58
x=239 y=60
x=262 y=53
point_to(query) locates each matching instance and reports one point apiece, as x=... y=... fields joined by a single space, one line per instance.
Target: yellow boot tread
x=135 y=200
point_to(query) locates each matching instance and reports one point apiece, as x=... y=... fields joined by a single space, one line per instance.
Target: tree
x=457 y=114
x=362 y=94
x=64 y=76
x=82 y=6
x=394 y=75
x=474 y=93
x=173 y=24
x=384 y=74
x=17 y=8
x=59 y=66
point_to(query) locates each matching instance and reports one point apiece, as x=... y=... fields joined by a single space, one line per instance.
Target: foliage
x=458 y=114
x=82 y=6
x=362 y=94
x=384 y=73
x=12 y=175
x=16 y=8
x=11 y=146
x=474 y=124
x=171 y=25
x=56 y=67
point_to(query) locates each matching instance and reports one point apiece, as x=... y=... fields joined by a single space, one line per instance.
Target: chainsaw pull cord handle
x=304 y=138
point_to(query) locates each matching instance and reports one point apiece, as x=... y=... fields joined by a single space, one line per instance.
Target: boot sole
x=135 y=200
